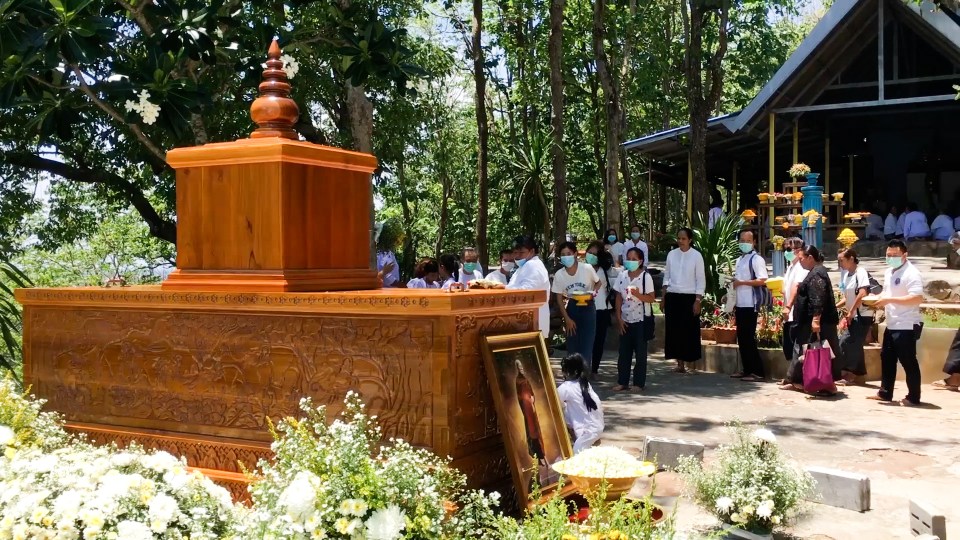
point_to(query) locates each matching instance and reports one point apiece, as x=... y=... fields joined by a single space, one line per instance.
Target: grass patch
x=939 y=319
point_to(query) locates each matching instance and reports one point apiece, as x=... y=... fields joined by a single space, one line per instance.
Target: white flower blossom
x=132 y=530
x=299 y=498
x=290 y=66
x=148 y=111
x=7 y=436
x=765 y=510
x=765 y=435
x=386 y=524
x=724 y=504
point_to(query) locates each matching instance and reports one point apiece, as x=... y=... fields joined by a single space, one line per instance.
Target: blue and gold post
x=813 y=200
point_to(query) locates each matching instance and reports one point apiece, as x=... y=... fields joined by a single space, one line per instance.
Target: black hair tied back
x=573 y=366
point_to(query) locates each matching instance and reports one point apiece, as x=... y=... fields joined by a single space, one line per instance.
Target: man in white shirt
x=470 y=269
x=901 y=298
x=900 y=222
x=795 y=275
x=890 y=224
x=503 y=272
x=531 y=274
x=942 y=227
x=875 y=226
x=915 y=225
x=636 y=242
x=751 y=272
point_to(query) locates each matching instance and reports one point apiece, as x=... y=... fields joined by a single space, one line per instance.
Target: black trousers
x=600 y=338
x=899 y=345
x=787 y=340
x=746 y=319
x=633 y=343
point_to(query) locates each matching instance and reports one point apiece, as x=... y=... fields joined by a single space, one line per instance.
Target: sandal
x=942 y=385
x=907 y=403
x=679 y=369
x=751 y=378
x=876 y=397
x=738 y=375
x=621 y=388
x=787 y=386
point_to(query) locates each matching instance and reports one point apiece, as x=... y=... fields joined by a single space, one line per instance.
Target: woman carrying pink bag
x=816 y=320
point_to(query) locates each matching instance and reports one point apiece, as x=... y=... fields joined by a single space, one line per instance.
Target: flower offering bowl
x=582 y=299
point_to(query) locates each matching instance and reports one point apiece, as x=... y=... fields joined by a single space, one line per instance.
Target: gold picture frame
x=528 y=411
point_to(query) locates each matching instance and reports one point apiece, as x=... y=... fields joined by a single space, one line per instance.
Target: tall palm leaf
x=719 y=248
x=11 y=318
x=529 y=165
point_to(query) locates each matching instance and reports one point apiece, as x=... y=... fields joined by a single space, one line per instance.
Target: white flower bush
x=148 y=111
x=24 y=425
x=80 y=491
x=750 y=484
x=335 y=481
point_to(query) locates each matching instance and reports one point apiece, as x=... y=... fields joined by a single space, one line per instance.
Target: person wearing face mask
x=503 y=272
x=427 y=275
x=794 y=275
x=901 y=298
x=471 y=267
x=635 y=297
x=750 y=273
x=532 y=274
x=815 y=315
x=580 y=321
x=636 y=242
x=855 y=286
x=684 y=282
x=602 y=263
x=616 y=248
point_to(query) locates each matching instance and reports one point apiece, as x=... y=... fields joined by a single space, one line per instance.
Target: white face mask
x=508 y=266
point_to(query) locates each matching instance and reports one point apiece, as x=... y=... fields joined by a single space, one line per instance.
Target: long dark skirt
x=681 y=328
x=952 y=365
x=801 y=338
x=851 y=343
x=582 y=340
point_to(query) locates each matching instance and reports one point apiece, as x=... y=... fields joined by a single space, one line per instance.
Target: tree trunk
x=483 y=133
x=409 y=253
x=703 y=96
x=611 y=100
x=558 y=151
x=632 y=199
x=444 y=212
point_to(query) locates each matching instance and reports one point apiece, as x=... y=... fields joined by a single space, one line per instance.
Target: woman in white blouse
x=684 y=282
x=855 y=285
x=792 y=278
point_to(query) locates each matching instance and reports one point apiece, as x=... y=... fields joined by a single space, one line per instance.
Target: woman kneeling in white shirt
x=581 y=405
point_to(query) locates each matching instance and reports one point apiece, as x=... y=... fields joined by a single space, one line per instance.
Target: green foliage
x=750 y=483
x=11 y=319
x=719 y=249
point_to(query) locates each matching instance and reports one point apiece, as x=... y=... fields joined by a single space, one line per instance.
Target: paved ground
x=906 y=452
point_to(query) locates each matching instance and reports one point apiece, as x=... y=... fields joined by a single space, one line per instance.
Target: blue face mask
x=894 y=262
x=568 y=260
x=592 y=259
x=470 y=267
x=631 y=266
x=521 y=262
x=745 y=247
x=612 y=238
x=635 y=235
x=789 y=256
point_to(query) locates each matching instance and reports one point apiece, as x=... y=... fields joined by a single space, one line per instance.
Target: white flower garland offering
x=148 y=111
x=604 y=462
x=290 y=66
x=85 y=492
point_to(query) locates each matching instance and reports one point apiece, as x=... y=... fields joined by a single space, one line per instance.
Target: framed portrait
x=528 y=410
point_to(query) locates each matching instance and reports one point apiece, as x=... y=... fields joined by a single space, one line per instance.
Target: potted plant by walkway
x=750 y=486
x=799 y=171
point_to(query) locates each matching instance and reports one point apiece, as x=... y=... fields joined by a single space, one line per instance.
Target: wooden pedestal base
x=199 y=373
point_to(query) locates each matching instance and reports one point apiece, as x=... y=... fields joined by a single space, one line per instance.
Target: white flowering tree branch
x=159 y=227
x=158 y=156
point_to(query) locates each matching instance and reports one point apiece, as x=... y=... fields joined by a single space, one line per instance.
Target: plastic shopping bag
x=818 y=369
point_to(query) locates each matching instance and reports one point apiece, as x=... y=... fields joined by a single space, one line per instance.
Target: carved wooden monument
x=197 y=365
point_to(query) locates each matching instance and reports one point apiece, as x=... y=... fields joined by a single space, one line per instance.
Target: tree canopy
x=94 y=92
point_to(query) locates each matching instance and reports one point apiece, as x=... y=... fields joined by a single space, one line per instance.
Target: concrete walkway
x=906 y=452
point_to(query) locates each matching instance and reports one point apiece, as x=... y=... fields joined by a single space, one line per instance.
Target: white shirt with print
x=631 y=309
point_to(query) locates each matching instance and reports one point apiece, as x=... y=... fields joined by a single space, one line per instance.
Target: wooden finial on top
x=274 y=112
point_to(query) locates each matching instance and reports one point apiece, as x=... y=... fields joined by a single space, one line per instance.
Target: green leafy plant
x=718 y=246
x=750 y=484
x=11 y=318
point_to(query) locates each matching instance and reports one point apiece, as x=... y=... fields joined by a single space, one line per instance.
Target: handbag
x=649 y=321
x=762 y=296
x=818 y=369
